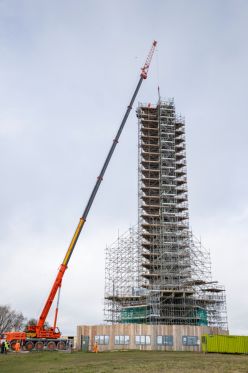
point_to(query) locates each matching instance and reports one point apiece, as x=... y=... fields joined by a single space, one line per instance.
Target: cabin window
x=102 y=339
x=122 y=339
x=190 y=340
x=165 y=340
x=142 y=340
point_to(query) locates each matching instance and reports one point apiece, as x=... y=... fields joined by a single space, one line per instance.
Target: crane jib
x=58 y=280
x=73 y=241
x=100 y=178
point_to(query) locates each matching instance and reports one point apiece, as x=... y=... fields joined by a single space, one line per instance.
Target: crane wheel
x=61 y=345
x=51 y=346
x=12 y=345
x=39 y=346
x=29 y=345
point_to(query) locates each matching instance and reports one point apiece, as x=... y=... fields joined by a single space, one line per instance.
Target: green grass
x=123 y=362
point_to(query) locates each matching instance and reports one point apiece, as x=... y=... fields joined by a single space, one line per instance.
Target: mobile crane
x=38 y=336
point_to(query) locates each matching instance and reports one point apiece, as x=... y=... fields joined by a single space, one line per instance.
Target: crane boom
x=58 y=280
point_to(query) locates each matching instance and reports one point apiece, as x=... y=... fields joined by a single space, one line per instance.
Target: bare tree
x=10 y=320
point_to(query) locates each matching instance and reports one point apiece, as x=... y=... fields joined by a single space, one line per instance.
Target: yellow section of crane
x=73 y=241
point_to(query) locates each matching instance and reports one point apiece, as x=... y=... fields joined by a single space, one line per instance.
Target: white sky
x=67 y=72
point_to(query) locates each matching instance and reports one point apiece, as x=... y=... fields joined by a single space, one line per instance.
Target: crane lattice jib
x=145 y=68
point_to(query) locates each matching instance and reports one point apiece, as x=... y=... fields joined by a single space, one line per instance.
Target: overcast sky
x=67 y=72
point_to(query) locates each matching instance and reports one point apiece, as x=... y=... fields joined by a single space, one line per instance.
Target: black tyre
x=12 y=345
x=61 y=345
x=29 y=345
x=51 y=346
x=39 y=346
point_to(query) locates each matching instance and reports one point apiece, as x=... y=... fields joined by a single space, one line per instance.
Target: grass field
x=126 y=362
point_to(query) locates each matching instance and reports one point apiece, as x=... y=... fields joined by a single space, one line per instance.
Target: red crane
x=37 y=335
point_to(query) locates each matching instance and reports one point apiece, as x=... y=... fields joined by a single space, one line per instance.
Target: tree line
x=11 y=320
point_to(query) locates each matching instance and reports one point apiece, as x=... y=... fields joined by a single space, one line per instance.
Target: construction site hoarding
x=143 y=337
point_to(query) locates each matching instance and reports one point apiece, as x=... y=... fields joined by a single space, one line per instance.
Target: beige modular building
x=143 y=337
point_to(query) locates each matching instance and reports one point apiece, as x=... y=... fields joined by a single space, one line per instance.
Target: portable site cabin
x=230 y=344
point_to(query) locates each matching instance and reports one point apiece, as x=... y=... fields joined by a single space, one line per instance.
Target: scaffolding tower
x=158 y=272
